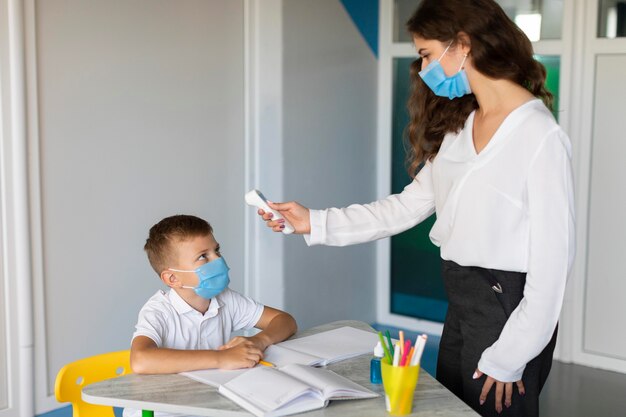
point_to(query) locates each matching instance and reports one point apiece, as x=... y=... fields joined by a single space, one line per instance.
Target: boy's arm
x=147 y=358
x=275 y=325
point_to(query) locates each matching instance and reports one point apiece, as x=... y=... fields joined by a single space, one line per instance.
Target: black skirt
x=480 y=302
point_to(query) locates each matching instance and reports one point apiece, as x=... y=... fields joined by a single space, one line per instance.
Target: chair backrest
x=74 y=376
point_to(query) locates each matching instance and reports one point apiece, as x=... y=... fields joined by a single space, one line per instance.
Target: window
x=611 y=18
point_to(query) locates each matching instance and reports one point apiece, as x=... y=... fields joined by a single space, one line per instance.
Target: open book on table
x=322 y=348
x=268 y=392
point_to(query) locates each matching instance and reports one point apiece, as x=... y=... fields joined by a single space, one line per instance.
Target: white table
x=178 y=394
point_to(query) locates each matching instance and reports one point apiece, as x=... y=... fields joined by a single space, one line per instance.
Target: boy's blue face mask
x=442 y=85
x=213 y=278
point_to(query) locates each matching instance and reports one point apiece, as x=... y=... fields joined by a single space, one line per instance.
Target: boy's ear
x=169 y=279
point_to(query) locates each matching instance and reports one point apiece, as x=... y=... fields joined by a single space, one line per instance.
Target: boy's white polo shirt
x=172 y=323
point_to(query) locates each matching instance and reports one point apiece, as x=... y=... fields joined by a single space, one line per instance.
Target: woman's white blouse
x=510 y=207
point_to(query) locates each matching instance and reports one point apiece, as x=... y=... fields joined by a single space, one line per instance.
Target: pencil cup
x=399 y=383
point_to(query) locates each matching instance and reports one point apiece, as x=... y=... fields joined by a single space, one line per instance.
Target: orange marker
x=410 y=356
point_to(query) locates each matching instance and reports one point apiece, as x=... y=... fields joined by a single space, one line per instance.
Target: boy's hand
x=240 y=339
x=233 y=342
x=243 y=354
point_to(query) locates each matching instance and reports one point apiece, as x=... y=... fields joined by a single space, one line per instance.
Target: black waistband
x=508 y=286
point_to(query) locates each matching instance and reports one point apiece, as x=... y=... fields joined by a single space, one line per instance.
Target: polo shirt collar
x=214 y=307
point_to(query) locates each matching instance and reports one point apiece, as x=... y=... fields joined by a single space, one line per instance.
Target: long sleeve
x=364 y=223
x=551 y=251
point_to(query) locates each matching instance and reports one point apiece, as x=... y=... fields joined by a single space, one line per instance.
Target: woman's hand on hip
x=295 y=213
x=505 y=388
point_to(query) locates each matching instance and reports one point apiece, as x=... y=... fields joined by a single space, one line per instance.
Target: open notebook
x=268 y=392
x=317 y=350
x=322 y=348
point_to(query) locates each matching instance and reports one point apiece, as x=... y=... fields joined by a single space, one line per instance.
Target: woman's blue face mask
x=213 y=278
x=442 y=85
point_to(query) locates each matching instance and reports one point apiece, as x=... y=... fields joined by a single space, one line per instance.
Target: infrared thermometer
x=257 y=199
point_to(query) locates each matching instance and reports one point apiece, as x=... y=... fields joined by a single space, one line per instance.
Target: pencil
x=265 y=363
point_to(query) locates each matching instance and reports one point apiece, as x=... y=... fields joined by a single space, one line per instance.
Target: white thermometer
x=257 y=199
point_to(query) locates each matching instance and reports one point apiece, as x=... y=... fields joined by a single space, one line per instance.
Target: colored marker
x=419 y=349
x=382 y=342
x=396 y=355
x=407 y=348
x=409 y=358
x=391 y=350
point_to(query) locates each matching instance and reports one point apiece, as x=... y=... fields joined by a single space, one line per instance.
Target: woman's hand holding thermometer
x=294 y=217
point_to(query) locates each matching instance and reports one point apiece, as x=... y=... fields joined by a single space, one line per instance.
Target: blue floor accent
x=59 y=412
x=429 y=357
x=426 y=308
x=67 y=412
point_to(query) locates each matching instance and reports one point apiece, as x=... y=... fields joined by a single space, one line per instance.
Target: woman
x=495 y=167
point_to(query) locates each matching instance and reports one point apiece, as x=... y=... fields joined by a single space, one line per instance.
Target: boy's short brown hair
x=166 y=232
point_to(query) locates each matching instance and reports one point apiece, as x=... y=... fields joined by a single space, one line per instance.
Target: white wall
x=139 y=109
x=16 y=284
x=4 y=328
x=594 y=308
x=329 y=122
x=604 y=308
x=132 y=111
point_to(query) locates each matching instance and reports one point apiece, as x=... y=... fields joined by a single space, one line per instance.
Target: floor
x=575 y=390
x=571 y=390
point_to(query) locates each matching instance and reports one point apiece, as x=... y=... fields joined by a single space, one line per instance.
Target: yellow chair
x=74 y=376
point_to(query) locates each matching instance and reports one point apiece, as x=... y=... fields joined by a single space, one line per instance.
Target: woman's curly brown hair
x=499 y=50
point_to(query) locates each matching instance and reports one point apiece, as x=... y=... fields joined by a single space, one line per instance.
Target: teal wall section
x=553 y=69
x=364 y=14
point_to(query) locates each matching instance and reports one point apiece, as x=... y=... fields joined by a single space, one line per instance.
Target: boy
x=189 y=327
